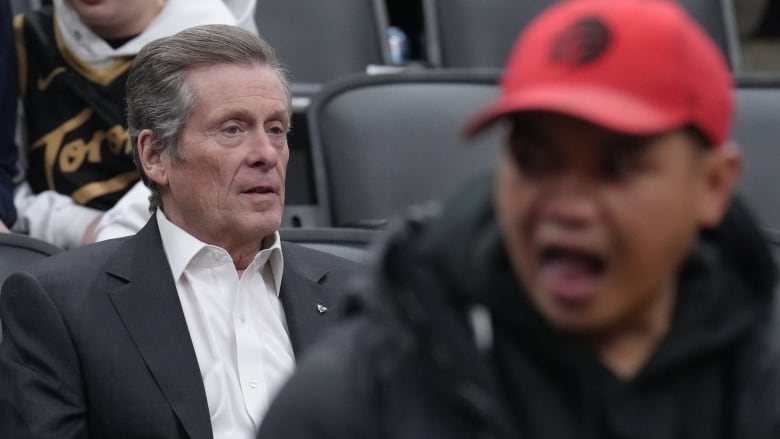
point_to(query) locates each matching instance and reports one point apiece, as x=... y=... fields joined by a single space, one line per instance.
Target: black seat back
x=469 y=33
x=386 y=142
x=322 y=40
x=18 y=251
x=757 y=132
x=357 y=245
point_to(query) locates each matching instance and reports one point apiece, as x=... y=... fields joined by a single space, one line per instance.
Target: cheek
x=513 y=200
x=207 y=176
x=653 y=233
x=281 y=163
x=281 y=169
x=138 y=7
x=661 y=210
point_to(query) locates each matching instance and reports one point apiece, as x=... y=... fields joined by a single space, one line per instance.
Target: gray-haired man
x=188 y=328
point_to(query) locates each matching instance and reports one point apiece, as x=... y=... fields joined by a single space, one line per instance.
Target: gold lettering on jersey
x=90 y=191
x=53 y=140
x=119 y=140
x=73 y=154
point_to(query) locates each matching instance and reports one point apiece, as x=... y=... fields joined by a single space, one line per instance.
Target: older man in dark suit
x=188 y=328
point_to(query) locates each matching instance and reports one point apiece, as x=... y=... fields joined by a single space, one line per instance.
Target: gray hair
x=158 y=98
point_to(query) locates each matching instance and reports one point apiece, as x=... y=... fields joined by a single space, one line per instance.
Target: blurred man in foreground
x=602 y=285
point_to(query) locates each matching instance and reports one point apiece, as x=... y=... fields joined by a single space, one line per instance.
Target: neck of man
x=625 y=349
x=242 y=259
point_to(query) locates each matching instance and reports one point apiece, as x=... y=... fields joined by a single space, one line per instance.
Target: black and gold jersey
x=76 y=122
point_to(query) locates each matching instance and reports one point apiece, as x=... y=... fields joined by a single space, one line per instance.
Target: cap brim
x=603 y=107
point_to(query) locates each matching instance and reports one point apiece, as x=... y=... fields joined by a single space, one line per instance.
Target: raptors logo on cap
x=581 y=43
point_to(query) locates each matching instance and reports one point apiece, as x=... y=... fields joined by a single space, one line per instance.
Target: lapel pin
x=321 y=308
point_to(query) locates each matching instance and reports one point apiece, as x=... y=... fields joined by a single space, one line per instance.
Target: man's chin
x=580 y=318
x=264 y=225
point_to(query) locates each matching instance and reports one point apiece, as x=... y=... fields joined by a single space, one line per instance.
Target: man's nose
x=570 y=200
x=262 y=152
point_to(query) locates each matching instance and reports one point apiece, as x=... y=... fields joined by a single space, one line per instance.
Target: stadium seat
x=318 y=41
x=18 y=251
x=25 y=6
x=322 y=40
x=357 y=245
x=757 y=132
x=468 y=33
x=382 y=143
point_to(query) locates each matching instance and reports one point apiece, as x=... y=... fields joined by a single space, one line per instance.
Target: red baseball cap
x=632 y=66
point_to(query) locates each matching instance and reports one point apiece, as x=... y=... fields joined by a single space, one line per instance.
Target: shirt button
x=242 y=317
x=253 y=384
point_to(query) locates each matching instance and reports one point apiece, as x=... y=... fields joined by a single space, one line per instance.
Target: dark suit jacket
x=95 y=343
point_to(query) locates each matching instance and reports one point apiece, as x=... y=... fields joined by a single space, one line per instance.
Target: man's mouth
x=571 y=275
x=260 y=190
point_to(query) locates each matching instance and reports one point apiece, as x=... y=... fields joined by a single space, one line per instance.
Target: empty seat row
x=395 y=140
x=467 y=33
x=382 y=143
x=321 y=41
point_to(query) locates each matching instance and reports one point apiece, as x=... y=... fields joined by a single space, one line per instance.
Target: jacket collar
x=305 y=296
x=149 y=307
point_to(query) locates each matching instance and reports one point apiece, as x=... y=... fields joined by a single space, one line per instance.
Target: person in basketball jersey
x=75 y=154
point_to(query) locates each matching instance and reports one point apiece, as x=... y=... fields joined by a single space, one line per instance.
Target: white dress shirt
x=237 y=326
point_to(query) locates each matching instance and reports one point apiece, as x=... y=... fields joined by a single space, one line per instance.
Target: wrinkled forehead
x=194 y=79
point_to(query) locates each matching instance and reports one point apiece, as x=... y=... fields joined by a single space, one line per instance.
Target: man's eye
x=276 y=130
x=613 y=169
x=232 y=130
x=619 y=167
x=626 y=156
x=532 y=159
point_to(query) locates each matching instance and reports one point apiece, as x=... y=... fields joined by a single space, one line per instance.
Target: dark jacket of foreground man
x=447 y=346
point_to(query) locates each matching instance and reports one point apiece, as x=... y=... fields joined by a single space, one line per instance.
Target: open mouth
x=571 y=275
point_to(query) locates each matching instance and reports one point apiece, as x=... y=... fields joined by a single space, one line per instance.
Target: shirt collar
x=181 y=248
x=273 y=254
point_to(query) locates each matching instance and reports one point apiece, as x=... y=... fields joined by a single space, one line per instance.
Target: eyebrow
x=282 y=114
x=630 y=143
x=246 y=114
x=522 y=130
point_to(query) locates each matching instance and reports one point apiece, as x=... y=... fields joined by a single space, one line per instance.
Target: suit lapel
x=149 y=306
x=305 y=298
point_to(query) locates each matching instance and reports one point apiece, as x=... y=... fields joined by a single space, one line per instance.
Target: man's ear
x=722 y=168
x=151 y=160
